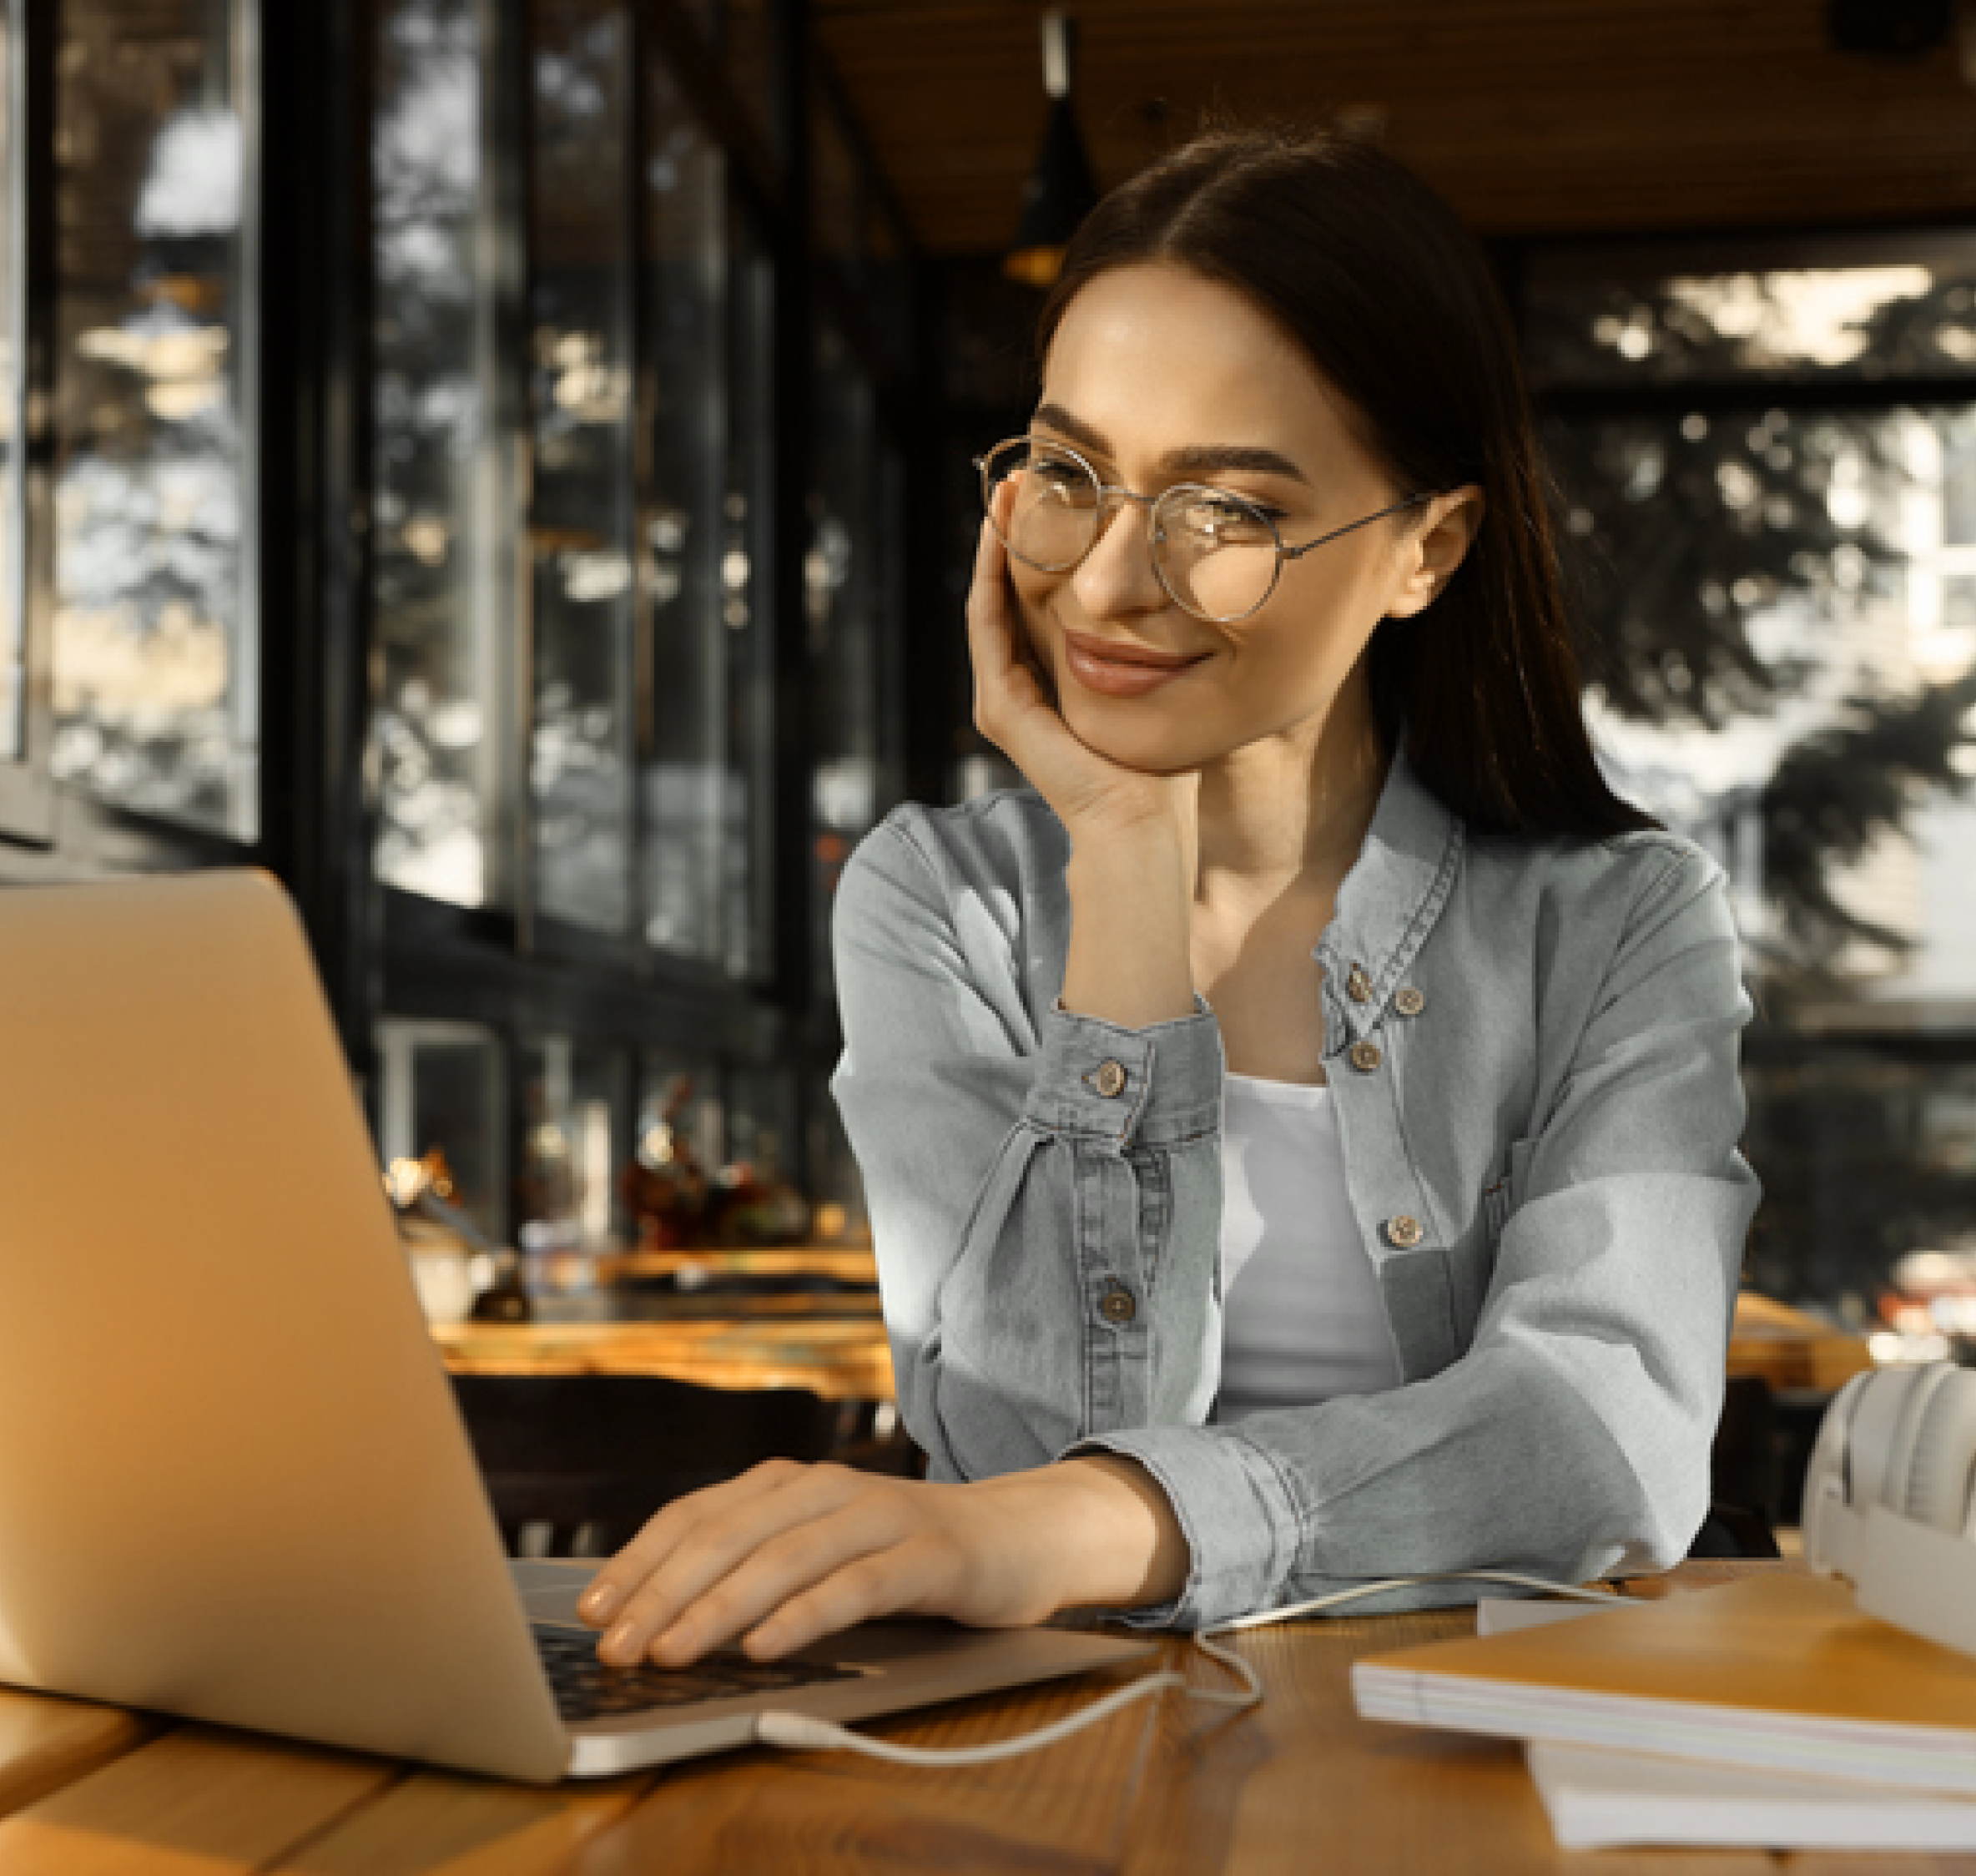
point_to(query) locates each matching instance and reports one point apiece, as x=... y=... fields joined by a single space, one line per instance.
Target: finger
x=790 y=1566
x=1008 y=689
x=991 y=629
x=882 y=1583
x=713 y=1548
x=617 y=1579
x=621 y=1577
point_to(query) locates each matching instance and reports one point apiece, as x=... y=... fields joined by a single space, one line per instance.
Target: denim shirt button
x=1404 y=1231
x=1108 y=1078
x=1358 y=986
x=1366 y=1056
x=1409 y=1002
x=1117 y=1304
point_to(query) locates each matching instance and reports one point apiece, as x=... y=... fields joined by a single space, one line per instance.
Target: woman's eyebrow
x=1207 y=459
x=1079 y=431
x=1195 y=459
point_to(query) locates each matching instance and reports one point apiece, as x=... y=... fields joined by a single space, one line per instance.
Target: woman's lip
x=1113 y=651
x=1114 y=670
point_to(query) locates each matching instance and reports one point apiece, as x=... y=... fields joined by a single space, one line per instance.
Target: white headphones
x=1890 y=1498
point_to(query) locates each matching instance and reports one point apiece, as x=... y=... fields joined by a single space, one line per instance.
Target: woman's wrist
x=1128 y=961
x=1115 y=1541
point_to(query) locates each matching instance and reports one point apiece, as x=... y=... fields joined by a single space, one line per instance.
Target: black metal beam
x=312 y=502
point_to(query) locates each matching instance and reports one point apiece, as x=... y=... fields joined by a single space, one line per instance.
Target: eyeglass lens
x=1216 y=554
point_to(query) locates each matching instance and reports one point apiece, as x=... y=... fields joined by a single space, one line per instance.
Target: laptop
x=234 y=1484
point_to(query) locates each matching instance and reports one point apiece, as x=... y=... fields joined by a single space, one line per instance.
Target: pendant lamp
x=1061 y=190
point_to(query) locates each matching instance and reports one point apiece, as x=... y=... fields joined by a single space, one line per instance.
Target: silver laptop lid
x=233 y=1483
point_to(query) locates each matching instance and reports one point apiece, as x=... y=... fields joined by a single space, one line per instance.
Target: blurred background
x=504 y=466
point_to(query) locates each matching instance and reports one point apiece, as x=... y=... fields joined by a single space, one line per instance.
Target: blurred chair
x=1742 y=1475
x=575 y=1464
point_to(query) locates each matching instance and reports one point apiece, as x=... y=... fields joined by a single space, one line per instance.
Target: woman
x=1299 y=1129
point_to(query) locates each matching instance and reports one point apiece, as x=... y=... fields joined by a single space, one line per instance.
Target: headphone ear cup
x=1936 y=1491
x=1827 y=1487
x=1877 y=1436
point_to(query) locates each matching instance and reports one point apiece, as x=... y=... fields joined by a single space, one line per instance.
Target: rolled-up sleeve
x=1044 y=1188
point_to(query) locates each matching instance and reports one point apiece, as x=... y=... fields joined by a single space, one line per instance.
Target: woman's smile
x=1114 y=668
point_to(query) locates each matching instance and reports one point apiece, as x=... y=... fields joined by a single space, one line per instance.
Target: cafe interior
x=505 y=467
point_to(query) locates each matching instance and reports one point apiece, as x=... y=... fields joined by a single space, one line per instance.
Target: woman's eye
x=1052 y=476
x=1225 y=521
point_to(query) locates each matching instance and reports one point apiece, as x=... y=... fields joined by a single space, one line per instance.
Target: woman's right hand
x=1135 y=837
x=1093 y=796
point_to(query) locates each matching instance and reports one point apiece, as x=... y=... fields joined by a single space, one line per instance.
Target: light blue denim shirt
x=1532 y=1051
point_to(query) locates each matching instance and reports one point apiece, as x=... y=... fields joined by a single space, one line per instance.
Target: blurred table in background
x=768 y=1266
x=1792 y=1349
x=840 y=1263
x=838 y=1356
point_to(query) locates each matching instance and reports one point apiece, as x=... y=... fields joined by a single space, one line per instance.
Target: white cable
x=1514 y=1578
x=800 y=1729
x=803 y=1732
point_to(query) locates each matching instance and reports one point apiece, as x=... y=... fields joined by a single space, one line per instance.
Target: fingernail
x=597 y=1601
x=676 y=1646
x=622 y=1641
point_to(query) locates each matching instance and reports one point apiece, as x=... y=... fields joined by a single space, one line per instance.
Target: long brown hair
x=1392 y=300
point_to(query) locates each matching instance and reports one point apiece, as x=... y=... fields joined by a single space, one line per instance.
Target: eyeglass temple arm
x=1353 y=526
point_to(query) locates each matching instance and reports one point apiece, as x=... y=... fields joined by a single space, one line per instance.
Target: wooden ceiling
x=1532 y=116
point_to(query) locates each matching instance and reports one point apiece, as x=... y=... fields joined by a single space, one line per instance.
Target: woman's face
x=1157 y=376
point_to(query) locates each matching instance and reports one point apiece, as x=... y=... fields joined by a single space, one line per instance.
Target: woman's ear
x=1436 y=549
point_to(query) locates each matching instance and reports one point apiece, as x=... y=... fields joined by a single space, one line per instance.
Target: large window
x=642 y=663
x=155 y=684
x=688 y=804
x=578 y=740
x=849 y=580
x=581 y=525
x=748 y=624
x=708 y=304
x=1769 y=467
x=445 y=538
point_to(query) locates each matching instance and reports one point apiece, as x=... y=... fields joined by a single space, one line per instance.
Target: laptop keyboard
x=586 y=1689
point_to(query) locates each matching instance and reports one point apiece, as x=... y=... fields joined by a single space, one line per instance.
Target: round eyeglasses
x=1217 y=554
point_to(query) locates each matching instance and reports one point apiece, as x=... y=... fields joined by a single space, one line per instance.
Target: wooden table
x=839 y=1357
x=1163 y=1789
x=841 y=1263
x=1791 y=1349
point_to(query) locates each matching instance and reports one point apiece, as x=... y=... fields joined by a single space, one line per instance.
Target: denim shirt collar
x=1388 y=904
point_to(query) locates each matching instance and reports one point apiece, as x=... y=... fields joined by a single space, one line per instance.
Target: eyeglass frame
x=1111 y=494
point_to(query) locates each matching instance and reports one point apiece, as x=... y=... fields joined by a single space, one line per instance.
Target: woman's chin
x=1150 y=749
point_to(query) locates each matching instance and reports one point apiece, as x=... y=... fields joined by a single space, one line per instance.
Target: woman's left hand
x=787 y=1553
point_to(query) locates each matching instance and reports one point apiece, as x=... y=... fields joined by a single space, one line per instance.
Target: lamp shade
x=1061 y=191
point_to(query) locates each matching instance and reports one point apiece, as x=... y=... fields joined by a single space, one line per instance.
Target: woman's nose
x=1117 y=576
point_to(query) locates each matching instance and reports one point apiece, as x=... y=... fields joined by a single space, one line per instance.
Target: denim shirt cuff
x=1156 y=1086
x=1235 y=1511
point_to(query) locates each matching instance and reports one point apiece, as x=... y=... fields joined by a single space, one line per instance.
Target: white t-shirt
x=1303 y=1316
